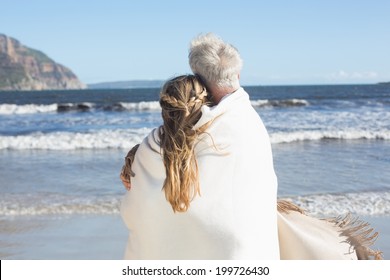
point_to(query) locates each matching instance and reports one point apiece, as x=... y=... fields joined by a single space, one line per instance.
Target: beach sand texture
x=94 y=237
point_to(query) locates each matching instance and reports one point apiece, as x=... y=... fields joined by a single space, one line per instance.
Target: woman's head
x=181 y=100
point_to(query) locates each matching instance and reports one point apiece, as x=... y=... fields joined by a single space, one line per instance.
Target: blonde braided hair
x=181 y=100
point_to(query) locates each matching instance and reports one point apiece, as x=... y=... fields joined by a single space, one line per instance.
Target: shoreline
x=65 y=237
x=96 y=237
x=380 y=224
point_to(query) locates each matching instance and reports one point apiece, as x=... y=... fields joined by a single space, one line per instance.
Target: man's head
x=216 y=62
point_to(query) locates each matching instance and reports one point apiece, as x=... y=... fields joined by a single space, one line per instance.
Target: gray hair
x=216 y=62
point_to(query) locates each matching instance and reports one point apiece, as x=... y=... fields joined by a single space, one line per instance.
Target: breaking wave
x=10 y=109
x=361 y=203
x=122 y=138
x=321 y=205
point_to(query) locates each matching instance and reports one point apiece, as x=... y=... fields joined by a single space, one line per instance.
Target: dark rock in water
x=73 y=107
x=83 y=107
x=63 y=107
x=115 y=107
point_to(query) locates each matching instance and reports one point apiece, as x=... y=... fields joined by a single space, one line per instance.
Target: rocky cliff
x=23 y=68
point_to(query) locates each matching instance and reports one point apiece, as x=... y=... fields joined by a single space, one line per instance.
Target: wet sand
x=94 y=237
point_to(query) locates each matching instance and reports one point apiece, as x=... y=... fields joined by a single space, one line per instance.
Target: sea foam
x=341 y=134
x=320 y=205
x=122 y=138
x=10 y=109
x=360 y=203
x=102 y=139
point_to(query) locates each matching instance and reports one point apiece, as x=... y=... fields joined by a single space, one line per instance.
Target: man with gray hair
x=217 y=63
x=246 y=176
x=248 y=163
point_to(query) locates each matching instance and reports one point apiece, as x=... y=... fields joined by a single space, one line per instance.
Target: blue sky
x=281 y=42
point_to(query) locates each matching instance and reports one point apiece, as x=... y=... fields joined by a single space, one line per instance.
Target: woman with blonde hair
x=165 y=179
x=181 y=100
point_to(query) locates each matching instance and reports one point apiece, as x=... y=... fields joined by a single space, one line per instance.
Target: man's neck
x=219 y=93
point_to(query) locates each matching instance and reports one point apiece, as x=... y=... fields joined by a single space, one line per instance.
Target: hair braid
x=181 y=100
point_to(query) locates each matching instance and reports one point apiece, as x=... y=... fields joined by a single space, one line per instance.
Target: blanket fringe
x=359 y=235
x=285 y=206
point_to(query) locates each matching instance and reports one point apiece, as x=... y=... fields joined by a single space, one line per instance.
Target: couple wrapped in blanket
x=203 y=186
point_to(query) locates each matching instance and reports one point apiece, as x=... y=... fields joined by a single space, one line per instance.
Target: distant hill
x=23 y=68
x=128 y=84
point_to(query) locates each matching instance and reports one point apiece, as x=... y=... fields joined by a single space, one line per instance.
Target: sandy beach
x=88 y=237
x=93 y=237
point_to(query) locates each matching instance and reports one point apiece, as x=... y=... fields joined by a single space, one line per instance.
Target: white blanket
x=303 y=237
x=234 y=218
x=236 y=215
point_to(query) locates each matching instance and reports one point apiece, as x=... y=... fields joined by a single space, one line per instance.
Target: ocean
x=61 y=153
